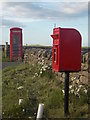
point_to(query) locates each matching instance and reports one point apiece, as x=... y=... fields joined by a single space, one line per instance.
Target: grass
x=37 y=88
x=7 y=59
x=0 y=55
x=0 y=92
x=3 y=59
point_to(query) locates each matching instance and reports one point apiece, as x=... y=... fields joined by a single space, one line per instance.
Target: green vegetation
x=37 y=45
x=0 y=91
x=38 y=84
x=7 y=59
x=86 y=47
x=0 y=55
x=2 y=58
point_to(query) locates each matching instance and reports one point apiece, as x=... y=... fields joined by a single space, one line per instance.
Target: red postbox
x=15 y=44
x=66 y=50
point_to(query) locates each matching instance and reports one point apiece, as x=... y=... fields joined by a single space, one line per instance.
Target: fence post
x=40 y=111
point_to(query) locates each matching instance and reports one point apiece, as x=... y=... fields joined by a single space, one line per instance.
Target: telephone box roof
x=15 y=28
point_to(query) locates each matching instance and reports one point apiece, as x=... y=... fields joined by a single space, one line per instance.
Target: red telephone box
x=15 y=44
x=66 y=49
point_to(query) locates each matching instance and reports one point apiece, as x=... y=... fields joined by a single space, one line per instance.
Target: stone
x=20 y=101
x=40 y=53
x=45 y=53
x=84 y=73
x=49 y=56
x=77 y=81
x=85 y=67
x=75 y=75
x=85 y=57
x=84 y=80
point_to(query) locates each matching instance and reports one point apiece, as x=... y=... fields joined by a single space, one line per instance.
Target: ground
x=34 y=84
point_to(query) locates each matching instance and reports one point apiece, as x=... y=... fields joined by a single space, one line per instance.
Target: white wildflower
x=78 y=95
x=36 y=74
x=34 y=113
x=85 y=91
x=78 y=90
x=72 y=91
x=73 y=78
x=48 y=67
x=44 y=69
x=21 y=87
x=42 y=61
x=80 y=86
x=63 y=91
x=77 y=81
x=70 y=86
x=29 y=117
x=40 y=72
x=75 y=92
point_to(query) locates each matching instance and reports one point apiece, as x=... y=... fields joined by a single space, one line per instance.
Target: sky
x=37 y=19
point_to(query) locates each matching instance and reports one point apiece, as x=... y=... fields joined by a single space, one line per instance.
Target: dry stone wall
x=44 y=56
x=32 y=55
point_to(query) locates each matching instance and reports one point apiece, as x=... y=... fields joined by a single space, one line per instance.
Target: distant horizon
x=41 y=45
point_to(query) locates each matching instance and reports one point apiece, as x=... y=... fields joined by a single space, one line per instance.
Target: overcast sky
x=37 y=19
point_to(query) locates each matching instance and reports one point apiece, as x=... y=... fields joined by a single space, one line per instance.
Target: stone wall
x=44 y=55
x=30 y=53
x=37 y=54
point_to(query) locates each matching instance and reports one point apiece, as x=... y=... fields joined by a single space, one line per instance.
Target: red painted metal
x=15 y=44
x=66 y=49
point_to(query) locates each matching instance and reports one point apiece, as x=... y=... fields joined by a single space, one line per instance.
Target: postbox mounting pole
x=66 y=110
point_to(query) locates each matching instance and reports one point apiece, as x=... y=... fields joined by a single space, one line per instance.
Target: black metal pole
x=66 y=110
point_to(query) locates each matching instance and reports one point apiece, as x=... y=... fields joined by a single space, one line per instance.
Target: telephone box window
x=16 y=44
